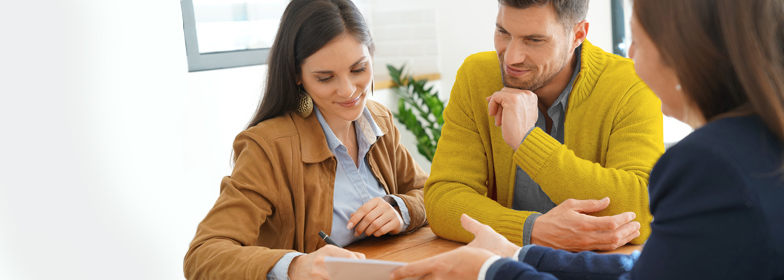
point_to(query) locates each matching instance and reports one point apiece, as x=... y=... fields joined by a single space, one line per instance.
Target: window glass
x=231 y=25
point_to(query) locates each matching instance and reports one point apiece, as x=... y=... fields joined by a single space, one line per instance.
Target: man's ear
x=580 y=32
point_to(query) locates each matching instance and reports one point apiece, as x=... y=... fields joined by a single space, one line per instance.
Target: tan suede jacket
x=279 y=195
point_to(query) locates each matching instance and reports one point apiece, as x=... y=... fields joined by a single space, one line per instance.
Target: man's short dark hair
x=569 y=12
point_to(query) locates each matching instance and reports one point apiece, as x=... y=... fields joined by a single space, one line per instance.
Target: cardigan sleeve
x=633 y=148
x=223 y=247
x=461 y=173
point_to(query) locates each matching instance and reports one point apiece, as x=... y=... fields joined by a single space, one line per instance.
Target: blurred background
x=112 y=150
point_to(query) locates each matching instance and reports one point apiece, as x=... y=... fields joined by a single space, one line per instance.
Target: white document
x=353 y=269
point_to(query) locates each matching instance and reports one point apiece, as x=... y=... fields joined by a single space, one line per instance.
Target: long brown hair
x=727 y=54
x=305 y=27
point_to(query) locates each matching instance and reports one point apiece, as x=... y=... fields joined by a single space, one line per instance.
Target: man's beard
x=536 y=82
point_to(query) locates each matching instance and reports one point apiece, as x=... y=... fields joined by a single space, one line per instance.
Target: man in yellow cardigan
x=562 y=126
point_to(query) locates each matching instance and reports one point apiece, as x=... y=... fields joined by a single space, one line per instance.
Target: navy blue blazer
x=717 y=199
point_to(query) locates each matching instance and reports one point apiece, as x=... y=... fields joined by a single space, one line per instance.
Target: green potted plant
x=419 y=109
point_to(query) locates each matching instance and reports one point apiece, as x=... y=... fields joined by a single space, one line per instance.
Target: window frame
x=619 y=41
x=216 y=60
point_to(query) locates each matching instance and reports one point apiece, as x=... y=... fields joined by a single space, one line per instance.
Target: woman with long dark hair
x=317 y=156
x=717 y=197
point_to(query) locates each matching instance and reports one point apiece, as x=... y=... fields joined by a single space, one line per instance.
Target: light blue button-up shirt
x=354 y=185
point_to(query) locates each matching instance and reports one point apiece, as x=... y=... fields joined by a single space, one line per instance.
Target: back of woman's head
x=305 y=27
x=727 y=54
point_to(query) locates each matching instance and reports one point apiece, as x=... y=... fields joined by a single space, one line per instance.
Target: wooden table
x=422 y=244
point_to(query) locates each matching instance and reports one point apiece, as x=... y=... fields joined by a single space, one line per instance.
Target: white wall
x=92 y=181
x=466 y=27
x=111 y=152
x=405 y=33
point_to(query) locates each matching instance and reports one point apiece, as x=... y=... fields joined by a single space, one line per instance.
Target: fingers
x=369 y=219
x=414 y=269
x=389 y=221
x=334 y=251
x=355 y=218
x=568 y=227
x=499 y=118
x=515 y=111
x=361 y=212
x=374 y=228
x=390 y=226
x=471 y=225
x=318 y=269
x=630 y=231
x=611 y=240
x=377 y=214
x=609 y=222
x=587 y=206
x=494 y=109
x=311 y=266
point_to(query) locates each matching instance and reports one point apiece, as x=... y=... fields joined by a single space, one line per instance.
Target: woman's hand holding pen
x=311 y=266
x=376 y=218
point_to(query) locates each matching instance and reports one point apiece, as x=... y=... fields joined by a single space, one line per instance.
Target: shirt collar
x=563 y=98
x=366 y=126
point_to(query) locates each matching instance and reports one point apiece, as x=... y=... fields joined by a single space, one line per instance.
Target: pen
x=327 y=239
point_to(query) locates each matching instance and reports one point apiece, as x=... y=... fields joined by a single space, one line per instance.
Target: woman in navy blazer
x=717 y=197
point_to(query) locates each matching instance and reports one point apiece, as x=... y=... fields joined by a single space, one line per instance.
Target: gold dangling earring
x=304 y=103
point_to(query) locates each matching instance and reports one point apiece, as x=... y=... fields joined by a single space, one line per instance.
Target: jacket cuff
x=533 y=254
x=403 y=209
x=493 y=268
x=417 y=216
x=520 y=255
x=281 y=268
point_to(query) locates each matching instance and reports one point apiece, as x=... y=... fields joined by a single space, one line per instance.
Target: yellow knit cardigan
x=612 y=138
